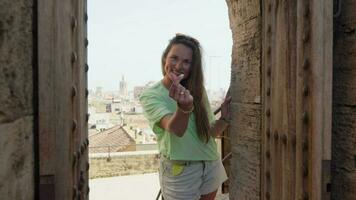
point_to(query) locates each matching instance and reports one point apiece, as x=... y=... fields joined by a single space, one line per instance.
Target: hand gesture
x=179 y=93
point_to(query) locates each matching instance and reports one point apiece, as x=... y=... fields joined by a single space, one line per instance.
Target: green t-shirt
x=156 y=104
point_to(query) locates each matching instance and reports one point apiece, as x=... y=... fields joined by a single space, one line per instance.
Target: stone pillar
x=245 y=23
x=343 y=161
x=16 y=100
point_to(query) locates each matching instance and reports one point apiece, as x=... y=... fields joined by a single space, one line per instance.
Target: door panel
x=62 y=77
x=296 y=86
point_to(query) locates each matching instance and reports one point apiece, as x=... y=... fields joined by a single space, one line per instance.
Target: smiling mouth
x=177 y=73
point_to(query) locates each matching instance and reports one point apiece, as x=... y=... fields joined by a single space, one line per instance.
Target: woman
x=179 y=113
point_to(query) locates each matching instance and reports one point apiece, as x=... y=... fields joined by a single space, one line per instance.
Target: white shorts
x=190 y=179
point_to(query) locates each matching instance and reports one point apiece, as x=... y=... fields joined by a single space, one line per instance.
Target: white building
x=101 y=121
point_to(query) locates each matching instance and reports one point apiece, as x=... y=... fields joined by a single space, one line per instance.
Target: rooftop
x=115 y=138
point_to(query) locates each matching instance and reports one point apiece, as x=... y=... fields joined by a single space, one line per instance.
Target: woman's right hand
x=179 y=93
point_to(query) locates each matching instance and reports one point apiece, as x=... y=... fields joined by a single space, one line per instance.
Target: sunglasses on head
x=187 y=37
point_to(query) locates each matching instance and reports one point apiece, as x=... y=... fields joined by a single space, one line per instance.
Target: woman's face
x=179 y=60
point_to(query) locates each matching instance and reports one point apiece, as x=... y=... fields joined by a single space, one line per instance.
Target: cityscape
x=120 y=113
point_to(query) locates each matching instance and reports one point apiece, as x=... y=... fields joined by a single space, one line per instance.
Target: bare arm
x=176 y=123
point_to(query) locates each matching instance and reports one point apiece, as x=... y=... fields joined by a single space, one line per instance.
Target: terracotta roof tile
x=114 y=139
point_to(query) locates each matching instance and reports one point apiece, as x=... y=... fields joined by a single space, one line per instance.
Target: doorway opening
x=127 y=40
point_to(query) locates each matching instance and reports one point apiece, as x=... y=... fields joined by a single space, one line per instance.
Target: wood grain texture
x=296 y=98
x=62 y=98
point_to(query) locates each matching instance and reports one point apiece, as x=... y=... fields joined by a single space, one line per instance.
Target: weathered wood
x=279 y=60
x=321 y=98
x=46 y=50
x=301 y=155
x=266 y=132
x=62 y=99
x=297 y=45
x=79 y=135
x=54 y=92
x=46 y=95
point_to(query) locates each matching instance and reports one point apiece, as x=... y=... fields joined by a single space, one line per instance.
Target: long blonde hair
x=194 y=82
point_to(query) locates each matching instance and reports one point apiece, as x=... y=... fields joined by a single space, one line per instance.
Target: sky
x=127 y=38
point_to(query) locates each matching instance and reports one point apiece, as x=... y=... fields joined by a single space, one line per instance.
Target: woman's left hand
x=219 y=127
x=225 y=106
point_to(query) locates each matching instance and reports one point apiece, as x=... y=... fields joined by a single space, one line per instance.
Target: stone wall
x=344 y=104
x=16 y=100
x=121 y=164
x=245 y=23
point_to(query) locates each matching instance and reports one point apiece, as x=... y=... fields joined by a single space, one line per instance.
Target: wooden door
x=296 y=91
x=62 y=79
